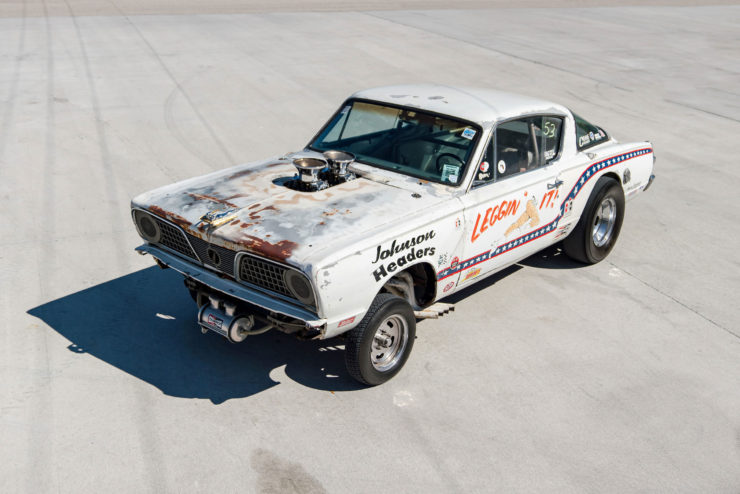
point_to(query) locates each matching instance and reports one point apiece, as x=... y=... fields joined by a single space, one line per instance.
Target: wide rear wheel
x=598 y=228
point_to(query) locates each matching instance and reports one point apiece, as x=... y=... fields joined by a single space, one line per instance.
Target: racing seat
x=513 y=160
x=418 y=154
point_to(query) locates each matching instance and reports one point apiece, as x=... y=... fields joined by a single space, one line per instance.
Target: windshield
x=409 y=141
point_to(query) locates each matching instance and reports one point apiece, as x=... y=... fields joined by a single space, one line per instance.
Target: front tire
x=598 y=228
x=379 y=346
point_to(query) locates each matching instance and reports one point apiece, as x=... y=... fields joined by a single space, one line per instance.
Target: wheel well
x=614 y=176
x=423 y=280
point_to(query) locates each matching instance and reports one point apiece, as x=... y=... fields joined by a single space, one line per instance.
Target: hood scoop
x=316 y=174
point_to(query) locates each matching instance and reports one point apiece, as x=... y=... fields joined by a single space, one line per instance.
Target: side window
x=519 y=146
x=486 y=171
x=551 y=130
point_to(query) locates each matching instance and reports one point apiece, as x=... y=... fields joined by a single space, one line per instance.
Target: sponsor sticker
x=468 y=133
x=501 y=166
x=484 y=166
x=448 y=286
x=344 y=322
x=471 y=274
x=567 y=207
x=215 y=321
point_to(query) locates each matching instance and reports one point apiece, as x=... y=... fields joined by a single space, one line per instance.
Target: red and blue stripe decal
x=590 y=172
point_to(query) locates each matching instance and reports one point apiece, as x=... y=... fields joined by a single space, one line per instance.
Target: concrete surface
x=620 y=377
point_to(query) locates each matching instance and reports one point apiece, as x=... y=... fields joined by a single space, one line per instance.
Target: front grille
x=224 y=256
x=174 y=238
x=263 y=274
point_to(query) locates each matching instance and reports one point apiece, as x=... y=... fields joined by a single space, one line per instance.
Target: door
x=511 y=209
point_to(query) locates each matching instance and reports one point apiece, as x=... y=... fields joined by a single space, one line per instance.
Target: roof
x=482 y=106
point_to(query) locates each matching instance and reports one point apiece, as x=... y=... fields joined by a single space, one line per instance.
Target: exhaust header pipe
x=220 y=316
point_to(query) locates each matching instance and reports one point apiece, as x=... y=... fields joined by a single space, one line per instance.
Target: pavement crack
x=494 y=50
x=701 y=110
x=179 y=88
x=674 y=299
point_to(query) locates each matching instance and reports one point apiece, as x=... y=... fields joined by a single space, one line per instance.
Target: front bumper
x=232 y=288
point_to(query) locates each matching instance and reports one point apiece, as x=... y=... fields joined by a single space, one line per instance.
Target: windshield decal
x=468 y=133
x=450 y=173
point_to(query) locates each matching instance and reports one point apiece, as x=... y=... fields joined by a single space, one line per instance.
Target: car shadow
x=552 y=257
x=144 y=324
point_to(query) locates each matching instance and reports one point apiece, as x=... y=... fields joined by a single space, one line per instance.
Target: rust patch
x=175 y=218
x=243 y=173
x=235 y=222
x=236 y=196
x=256 y=214
x=279 y=251
x=251 y=171
x=297 y=197
x=332 y=212
x=322 y=223
x=212 y=198
x=245 y=225
x=254 y=206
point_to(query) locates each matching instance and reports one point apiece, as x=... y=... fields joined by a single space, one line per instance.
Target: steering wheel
x=448 y=159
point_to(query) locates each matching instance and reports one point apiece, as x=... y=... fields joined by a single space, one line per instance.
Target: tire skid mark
x=9 y=113
x=147 y=431
x=171 y=122
x=41 y=411
x=111 y=187
x=230 y=161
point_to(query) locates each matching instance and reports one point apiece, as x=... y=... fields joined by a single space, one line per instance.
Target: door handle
x=554 y=185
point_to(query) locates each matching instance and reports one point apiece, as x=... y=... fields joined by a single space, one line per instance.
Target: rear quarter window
x=588 y=134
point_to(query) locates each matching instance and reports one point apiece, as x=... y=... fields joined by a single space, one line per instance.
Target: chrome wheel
x=606 y=217
x=389 y=343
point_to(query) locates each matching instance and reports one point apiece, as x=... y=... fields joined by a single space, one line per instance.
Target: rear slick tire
x=598 y=228
x=378 y=347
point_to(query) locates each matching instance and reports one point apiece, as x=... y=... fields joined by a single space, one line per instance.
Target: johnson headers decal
x=408 y=253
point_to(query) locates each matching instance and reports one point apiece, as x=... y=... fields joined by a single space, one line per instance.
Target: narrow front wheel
x=379 y=346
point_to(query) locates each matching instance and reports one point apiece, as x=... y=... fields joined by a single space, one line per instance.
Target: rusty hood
x=256 y=212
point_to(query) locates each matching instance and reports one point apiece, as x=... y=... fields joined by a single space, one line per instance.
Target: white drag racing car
x=406 y=195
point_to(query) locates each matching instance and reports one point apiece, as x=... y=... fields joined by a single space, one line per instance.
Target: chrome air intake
x=308 y=179
x=338 y=162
